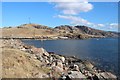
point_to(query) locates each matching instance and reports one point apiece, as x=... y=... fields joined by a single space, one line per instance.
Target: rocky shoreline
x=60 y=67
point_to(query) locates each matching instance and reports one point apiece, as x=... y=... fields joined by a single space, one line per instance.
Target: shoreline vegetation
x=26 y=61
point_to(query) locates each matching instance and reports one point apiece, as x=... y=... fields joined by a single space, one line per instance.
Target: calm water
x=103 y=52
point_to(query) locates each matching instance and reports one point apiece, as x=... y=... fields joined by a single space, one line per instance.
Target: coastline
x=65 y=66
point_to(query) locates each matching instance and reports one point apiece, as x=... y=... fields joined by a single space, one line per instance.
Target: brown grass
x=18 y=64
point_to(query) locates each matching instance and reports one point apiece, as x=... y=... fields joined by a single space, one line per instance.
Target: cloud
x=113 y=25
x=73 y=8
x=75 y=20
x=80 y=21
x=100 y=25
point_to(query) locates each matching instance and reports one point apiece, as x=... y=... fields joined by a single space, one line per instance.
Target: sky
x=98 y=15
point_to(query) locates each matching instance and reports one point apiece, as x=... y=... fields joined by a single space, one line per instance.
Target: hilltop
x=63 y=31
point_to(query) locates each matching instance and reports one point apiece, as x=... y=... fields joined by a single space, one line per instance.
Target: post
x=29 y=21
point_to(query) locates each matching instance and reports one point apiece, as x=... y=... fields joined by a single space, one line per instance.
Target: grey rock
x=106 y=75
x=76 y=74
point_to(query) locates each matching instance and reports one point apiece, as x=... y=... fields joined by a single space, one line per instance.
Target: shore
x=57 y=66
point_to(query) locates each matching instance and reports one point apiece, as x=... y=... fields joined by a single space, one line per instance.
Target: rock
x=51 y=59
x=53 y=64
x=76 y=74
x=81 y=66
x=96 y=78
x=59 y=63
x=39 y=51
x=39 y=57
x=57 y=69
x=88 y=65
x=36 y=50
x=106 y=75
x=45 y=76
x=76 y=67
x=47 y=62
x=62 y=59
x=27 y=46
x=72 y=60
x=44 y=52
x=40 y=75
x=23 y=49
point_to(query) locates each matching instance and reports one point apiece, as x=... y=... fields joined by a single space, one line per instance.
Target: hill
x=86 y=30
x=41 y=31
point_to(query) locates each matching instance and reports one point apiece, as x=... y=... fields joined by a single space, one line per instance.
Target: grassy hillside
x=19 y=64
x=36 y=30
x=27 y=32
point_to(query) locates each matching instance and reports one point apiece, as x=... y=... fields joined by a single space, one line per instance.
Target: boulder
x=57 y=69
x=62 y=59
x=75 y=74
x=40 y=75
x=51 y=59
x=47 y=62
x=88 y=65
x=53 y=64
x=59 y=63
x=27 y=46
x=76 y=67
x=106 y=75
x=37 y=50
x=23 y=49
x=44 y=52
x=40 y=51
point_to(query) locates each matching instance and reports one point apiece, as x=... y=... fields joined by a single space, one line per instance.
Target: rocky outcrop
x=86 y=30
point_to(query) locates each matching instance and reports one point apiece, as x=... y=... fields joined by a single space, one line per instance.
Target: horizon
x=97 y=15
